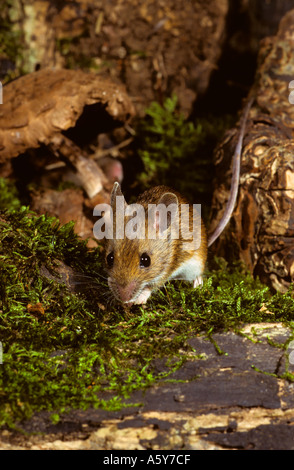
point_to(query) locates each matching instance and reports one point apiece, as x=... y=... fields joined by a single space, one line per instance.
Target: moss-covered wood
x=67 y=345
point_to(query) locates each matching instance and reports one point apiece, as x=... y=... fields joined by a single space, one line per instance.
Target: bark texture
x=42 y=104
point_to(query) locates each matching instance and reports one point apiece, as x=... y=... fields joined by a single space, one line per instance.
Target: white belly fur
x=189 y=270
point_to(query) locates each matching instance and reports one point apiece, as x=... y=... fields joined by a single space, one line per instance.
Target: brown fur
x=166 y=255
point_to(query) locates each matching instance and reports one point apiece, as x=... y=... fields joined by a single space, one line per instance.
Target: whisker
x=88 y=276
x=93 y=285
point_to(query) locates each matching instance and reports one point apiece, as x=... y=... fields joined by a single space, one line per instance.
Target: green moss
x=9 y=197
x=178 y=152
x=63 y=350
x=11 y=44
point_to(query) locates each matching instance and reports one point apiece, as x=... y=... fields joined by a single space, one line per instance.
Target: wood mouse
x=138 y=266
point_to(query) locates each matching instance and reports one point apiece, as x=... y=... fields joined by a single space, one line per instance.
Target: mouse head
x=139 y=253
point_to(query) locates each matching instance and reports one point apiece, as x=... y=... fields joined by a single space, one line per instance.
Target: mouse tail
x=235 y=178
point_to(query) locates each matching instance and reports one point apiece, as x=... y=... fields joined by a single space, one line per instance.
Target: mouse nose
x=126 y=293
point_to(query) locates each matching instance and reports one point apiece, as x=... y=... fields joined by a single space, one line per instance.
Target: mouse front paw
x=143 y=297
x=198 y=281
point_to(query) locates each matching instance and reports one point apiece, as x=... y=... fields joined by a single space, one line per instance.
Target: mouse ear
x=166 y=212
x=168 y=198
x=116 y=191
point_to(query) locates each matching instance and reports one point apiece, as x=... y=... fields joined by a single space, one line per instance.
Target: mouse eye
x=145 y=260
x=110 y=259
